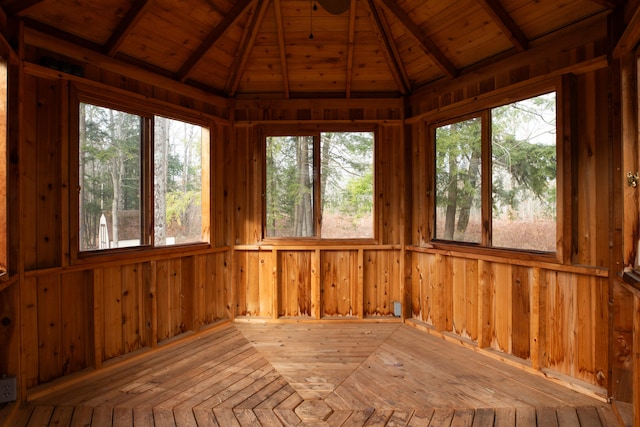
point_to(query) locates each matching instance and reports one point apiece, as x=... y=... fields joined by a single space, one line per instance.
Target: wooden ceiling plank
x=132 y=18
x=281 y=46
x=501 y=17
x=420 y=37
x=350 y=46
x=249 y=39
x=389 y=48
x=211 y=39
x=20 y=7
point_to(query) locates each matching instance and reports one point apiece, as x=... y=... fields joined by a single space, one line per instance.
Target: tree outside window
x=522 y=160
x=319 y=185
x=113 y=207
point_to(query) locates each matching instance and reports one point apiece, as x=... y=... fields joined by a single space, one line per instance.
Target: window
x=319 y=185
x=141 y=179
x=516 y=145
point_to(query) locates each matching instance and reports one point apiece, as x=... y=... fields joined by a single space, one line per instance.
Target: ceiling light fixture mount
x=335 y=7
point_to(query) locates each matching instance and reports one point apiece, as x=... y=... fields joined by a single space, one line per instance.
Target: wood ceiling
x=246 y=48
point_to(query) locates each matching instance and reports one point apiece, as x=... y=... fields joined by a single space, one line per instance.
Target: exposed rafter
x=420 y=37
x=248 y=39
x=352 y=37
x=20 y=7
x=630 y=37
x=506 y=23
x=389 y=48
x=211 y=39
x=128 y=23
x=281 y=46
x=611 y=4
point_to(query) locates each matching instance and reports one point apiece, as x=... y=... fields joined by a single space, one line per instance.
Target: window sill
x=144 y=253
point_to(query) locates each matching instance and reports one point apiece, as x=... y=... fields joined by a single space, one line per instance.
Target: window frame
x=146 y=109
x=267 y=131
x=4 y=144
x=482 y=108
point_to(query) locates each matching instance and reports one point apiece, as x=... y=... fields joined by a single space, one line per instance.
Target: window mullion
x=486 y=180
x=147 y=173
x=317 y=191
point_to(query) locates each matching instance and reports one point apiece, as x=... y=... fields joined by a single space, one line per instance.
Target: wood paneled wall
x=319 y=280
x=552 y=316
x=66 y=316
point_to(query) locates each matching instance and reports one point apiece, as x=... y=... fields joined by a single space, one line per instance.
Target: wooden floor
x=314 y=374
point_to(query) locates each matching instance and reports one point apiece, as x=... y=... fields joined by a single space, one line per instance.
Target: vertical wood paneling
x=295 y=283
x=169 y=298
x=266 y=283
x=29 y=330
x=131 y=305
x=248 y=286
x=188 y=286
x=49 y=328
x=48 y=224
x=339 y=274
x=112 y=312
x=465 y=297
x=560 y=321
x=521 y=311
x=28 y=174
x=440 y=277
x=622 y=344
x=381 y=282
x=486 y=302
x=389 y=179
x=502 y=307
x=77 y=321
x=10 y=330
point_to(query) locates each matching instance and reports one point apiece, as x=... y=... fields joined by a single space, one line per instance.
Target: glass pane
x=289 y=186
x=524 y=174
x=346 y=176
x=177 y=182
x=110 y=197
x=458 y=181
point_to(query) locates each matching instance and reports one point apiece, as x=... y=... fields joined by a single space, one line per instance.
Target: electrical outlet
x=7 y=389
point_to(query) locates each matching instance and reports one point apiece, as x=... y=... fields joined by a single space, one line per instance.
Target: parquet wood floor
x=312 y=374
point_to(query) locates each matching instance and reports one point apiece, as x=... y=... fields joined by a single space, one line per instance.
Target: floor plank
x=327 y=373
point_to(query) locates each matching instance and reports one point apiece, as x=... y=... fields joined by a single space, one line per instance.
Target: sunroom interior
x=337 y=212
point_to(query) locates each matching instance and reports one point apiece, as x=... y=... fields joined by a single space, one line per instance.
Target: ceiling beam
x=630 y=36
x=135 y=14
x=20 y=7
x=611 y=4
x=351 y=42
x=211 y=39
x=246 y=45
x=420 y=37
x=501 y=17
x=389 y=48
x=281 y=46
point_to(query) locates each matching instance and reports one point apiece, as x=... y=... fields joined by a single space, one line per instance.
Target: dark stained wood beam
x=420 y=37
x=20 y=7
x=281 y=47
x=248 y=40
x=350 y=46
x=211 y=39
x=501 y=17
x=611 y=4
x=630 y=36
x=389 y=48
x=128 y=23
